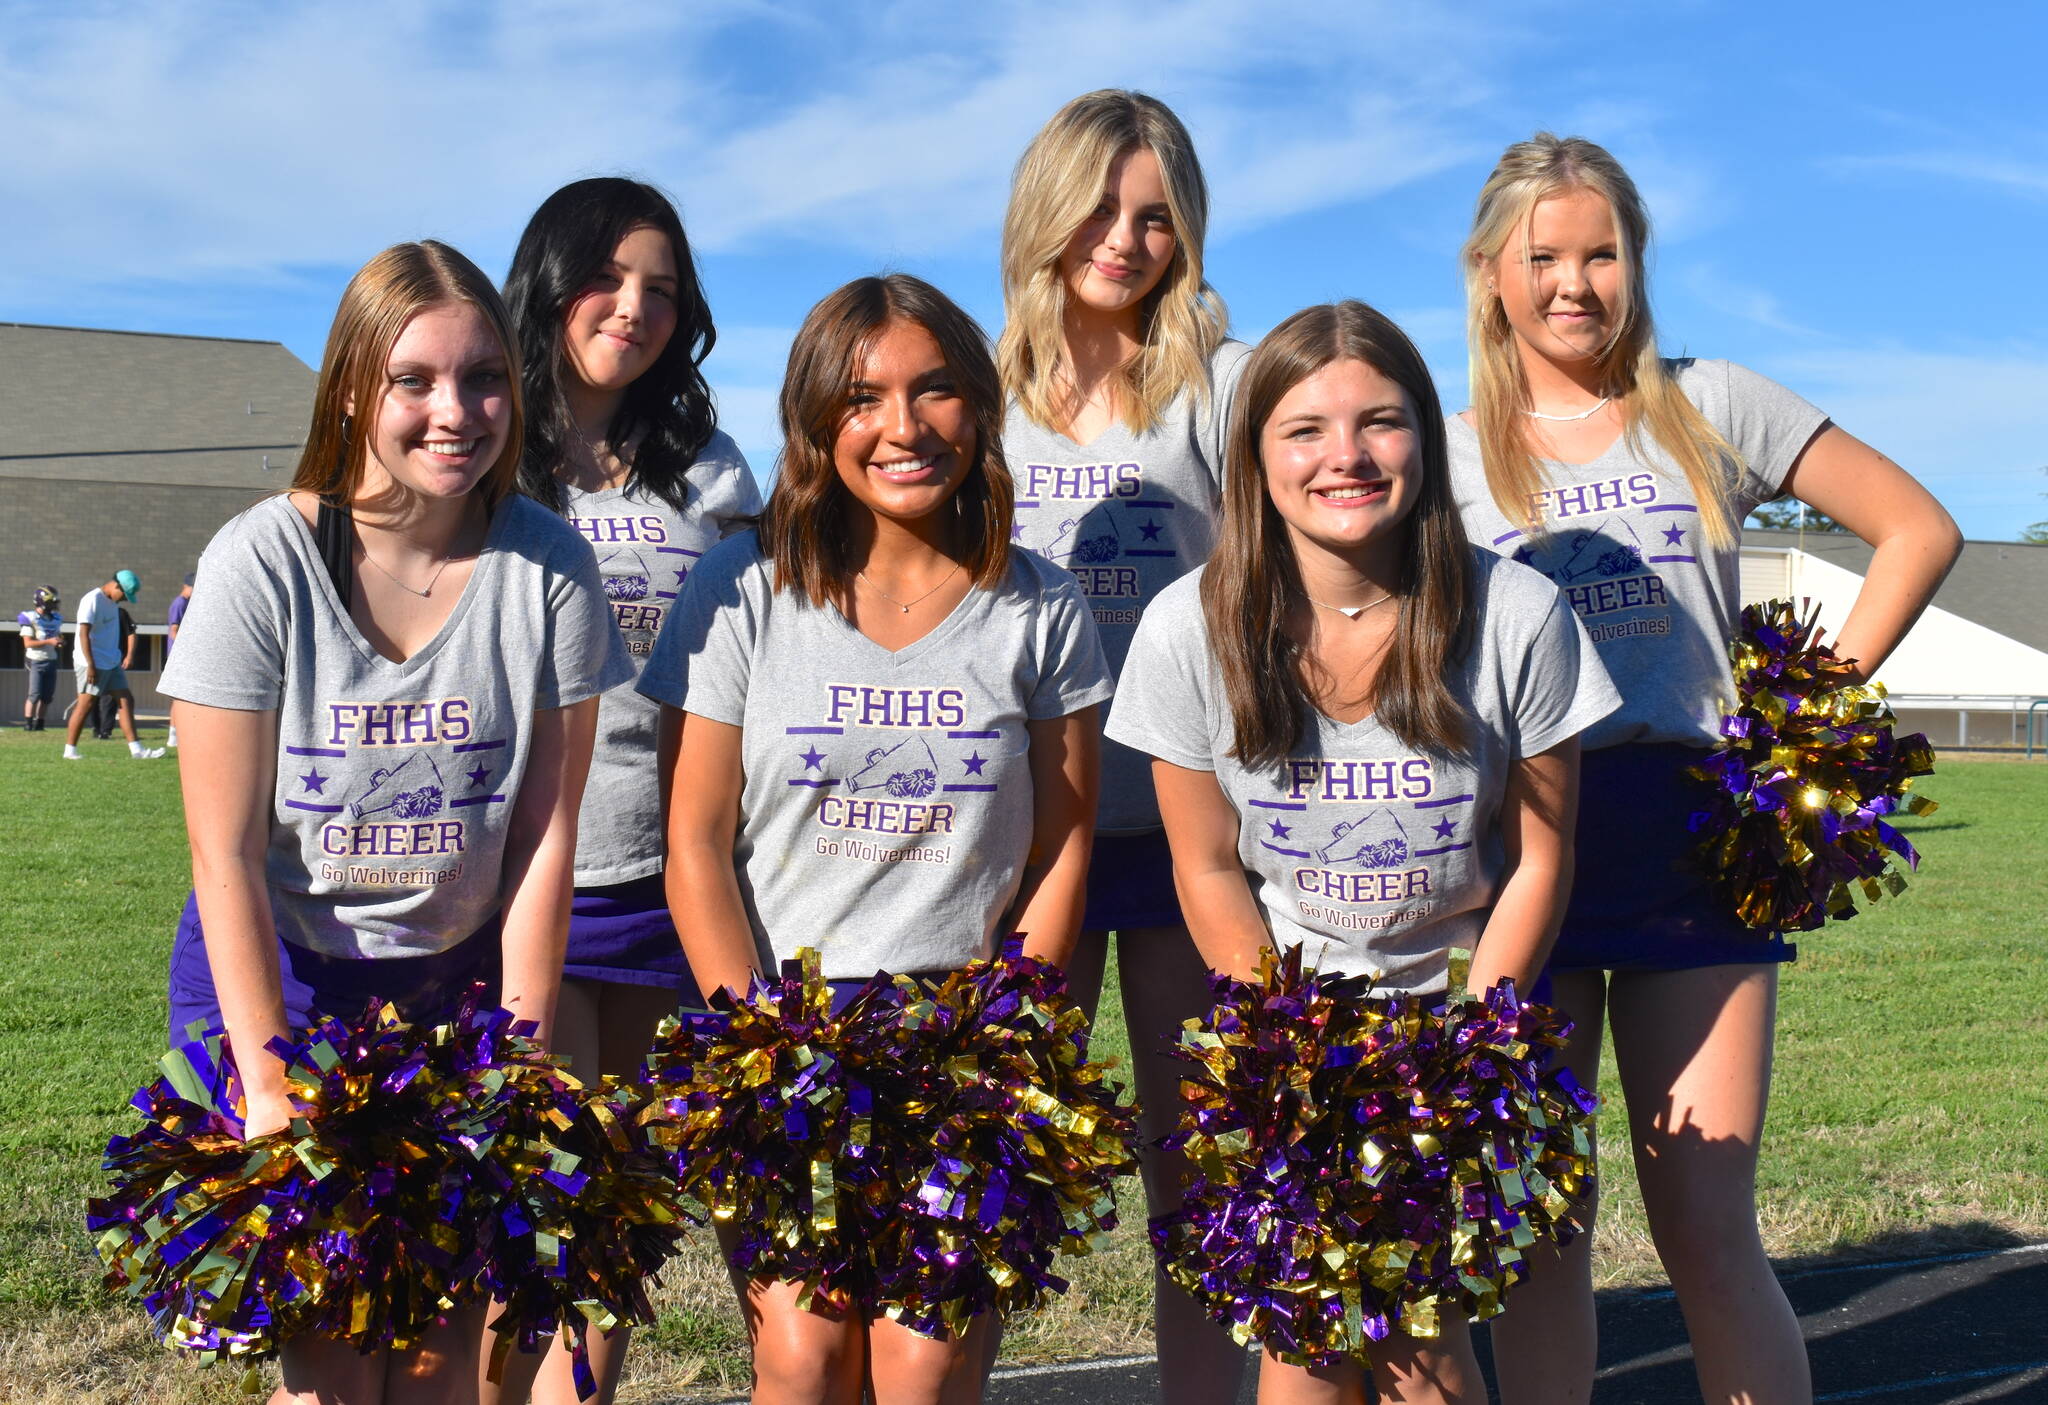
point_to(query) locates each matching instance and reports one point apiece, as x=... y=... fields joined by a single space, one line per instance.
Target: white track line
x=1016 y=1373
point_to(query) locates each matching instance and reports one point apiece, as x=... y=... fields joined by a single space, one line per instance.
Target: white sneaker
x=147 y=753
x=172 y=740
x=71 y=754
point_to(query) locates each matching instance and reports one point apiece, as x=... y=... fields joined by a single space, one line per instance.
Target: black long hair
x=569 y=240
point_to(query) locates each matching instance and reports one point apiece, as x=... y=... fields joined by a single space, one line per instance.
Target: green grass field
x=1907 y=1110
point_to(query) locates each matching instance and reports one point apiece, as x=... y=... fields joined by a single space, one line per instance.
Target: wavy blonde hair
x=1655 y=408
x=1058 y=181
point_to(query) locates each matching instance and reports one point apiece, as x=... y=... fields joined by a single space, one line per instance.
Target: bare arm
x=128 y=652
x=1915 y=539
x=1065 y=768
x=229 y=777
x=1538 y=814
x=1201 y=829
x=540 y=861
x=703 y=791
x=92 y=672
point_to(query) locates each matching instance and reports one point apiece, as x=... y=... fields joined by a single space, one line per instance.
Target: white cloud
x=222 y=139
x=2028 y=178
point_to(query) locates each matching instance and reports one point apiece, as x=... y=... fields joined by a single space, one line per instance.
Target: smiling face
x=621 y=322
x=908 y=437
x=1560 y=278
x=446 y=408
x=1121 y=251
x=1343 y=462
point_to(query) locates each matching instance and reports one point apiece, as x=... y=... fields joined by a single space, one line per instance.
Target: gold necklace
x=898 y=603
x=1349 y=612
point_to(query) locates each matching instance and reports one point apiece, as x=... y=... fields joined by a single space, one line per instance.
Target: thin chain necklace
x=898 y=603
x=1349 y=612
x=1585 y=414
x=424 y=591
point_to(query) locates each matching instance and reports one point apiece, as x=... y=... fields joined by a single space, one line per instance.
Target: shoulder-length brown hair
x=1253 y=580
x=387 y=293
x=804 y=530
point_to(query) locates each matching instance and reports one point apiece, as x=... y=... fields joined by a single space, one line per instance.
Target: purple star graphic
x=1151 y=530
x=1016 y=530
x=1280 y=831
x=974 y=762
x=314 y=781
x=1444 y=829
x=477 y=777
x=1674 y=535
x=812 y=758
x=682 y=575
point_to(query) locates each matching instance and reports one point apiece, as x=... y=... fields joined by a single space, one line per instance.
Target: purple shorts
x=1130 y=884
x=622 y=933
x=422 y=987
x=1639 y=900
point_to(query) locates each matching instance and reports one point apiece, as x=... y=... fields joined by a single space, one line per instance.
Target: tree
x=1783 y=516
x=2037 y=534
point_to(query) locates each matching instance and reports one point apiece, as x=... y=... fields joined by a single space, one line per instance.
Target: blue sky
x=1854 y=201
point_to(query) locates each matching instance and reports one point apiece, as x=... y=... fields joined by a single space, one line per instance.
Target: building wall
x=75 y=535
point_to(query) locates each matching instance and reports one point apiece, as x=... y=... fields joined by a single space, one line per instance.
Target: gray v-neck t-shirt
x=1128 y=514
x=886 y=813
x=1373 y=856
x=645 y=551
x=1622 y=538
x=395 y=781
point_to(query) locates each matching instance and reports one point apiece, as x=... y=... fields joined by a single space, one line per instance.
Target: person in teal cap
x=97 y=662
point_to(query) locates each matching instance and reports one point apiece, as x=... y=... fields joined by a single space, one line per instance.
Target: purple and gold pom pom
x=1364 y=1165
x=587 y=1212
x=1808 y=775
x=925 y=1151
x=361 y=1221
x=1022 y=1139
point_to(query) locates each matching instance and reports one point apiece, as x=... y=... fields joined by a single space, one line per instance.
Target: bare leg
x=1546 y=1345
x=81 y=708
x=442 y=1369
x=1164 y=983
x=124 y=714
x=1282 y=1384
x=324 y=1371
x=801 y=1357
x=1441 y=1371
x=1694 y=1049
x=905 y=1368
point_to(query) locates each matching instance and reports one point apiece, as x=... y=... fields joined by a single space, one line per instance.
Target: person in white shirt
x=96 y=658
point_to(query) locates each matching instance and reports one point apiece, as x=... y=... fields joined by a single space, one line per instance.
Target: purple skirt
x=424 y=988
x=622 y=933
x=1130 y=884
x=1640 y=901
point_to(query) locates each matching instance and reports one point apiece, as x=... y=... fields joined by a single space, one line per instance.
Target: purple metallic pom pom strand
x=1366 y=1164
x=1801 y=794
x=426 y=1166
x=926 y=1151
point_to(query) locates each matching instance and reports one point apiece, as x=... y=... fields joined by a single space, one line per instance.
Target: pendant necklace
x=1349 y=612
x=898 y=603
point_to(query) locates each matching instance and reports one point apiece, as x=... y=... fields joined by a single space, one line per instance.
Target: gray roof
x=131 y=449
x=141 y=407
x=2000 y=585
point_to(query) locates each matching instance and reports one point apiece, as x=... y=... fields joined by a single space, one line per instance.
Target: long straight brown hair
x=1253 y=579
x=387 y=293
x=804 y=530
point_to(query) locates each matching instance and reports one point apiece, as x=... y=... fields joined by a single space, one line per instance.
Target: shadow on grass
x=1894 y=1317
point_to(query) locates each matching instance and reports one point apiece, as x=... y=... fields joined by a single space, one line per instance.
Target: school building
x=1975 y=664
x=130 y=449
